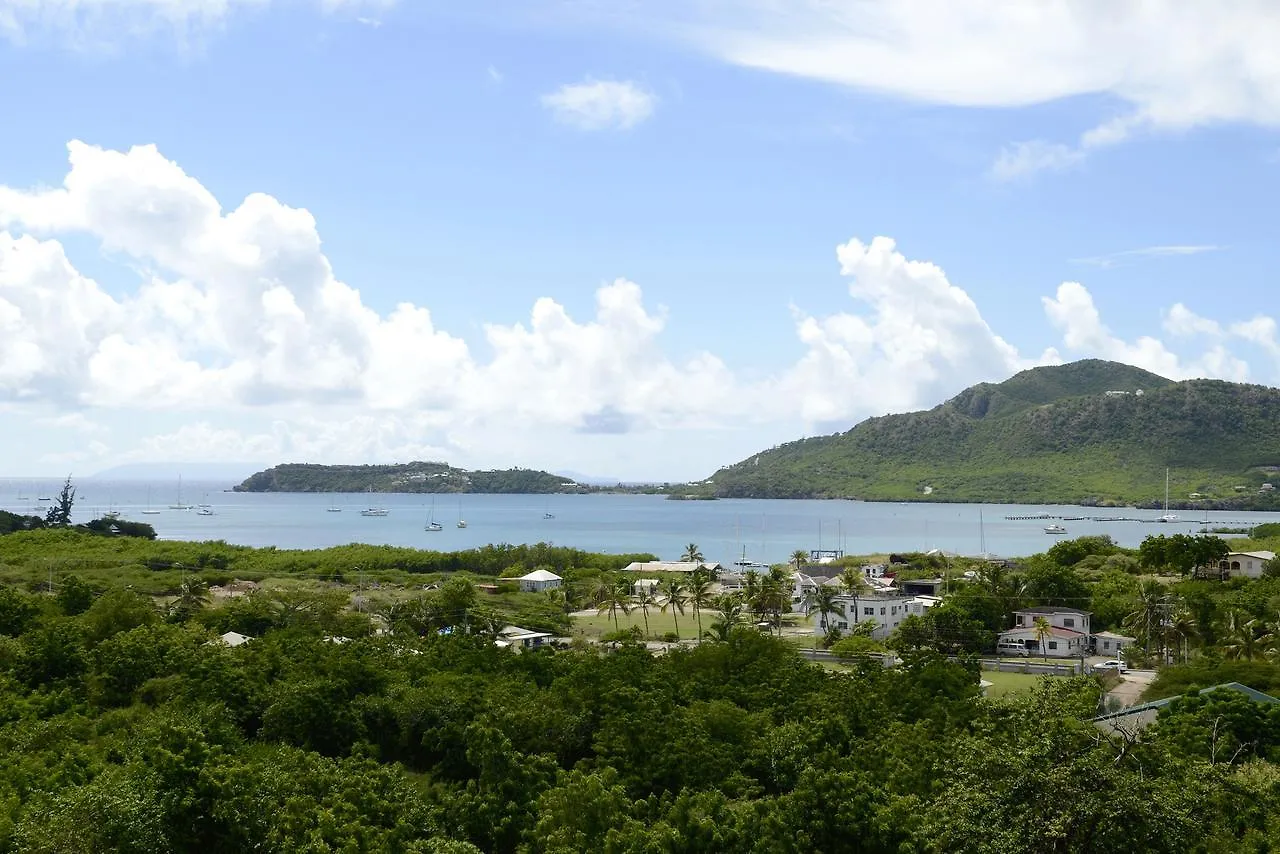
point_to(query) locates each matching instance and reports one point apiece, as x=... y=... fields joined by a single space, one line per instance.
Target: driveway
x=1131 y=686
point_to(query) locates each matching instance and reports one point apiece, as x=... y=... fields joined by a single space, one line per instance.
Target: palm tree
x=730 y=608
x=799 y=559
x=1240 y=638
x=692 y=555
x=699 y=592
x=851 y=580
x=1147 y=616
x=645 y=600
x=1043 y=631
x=673 y=593
x=612 y=596
x=751 y=589
x=824 y=602
x=193 y=595
x=1182 y=628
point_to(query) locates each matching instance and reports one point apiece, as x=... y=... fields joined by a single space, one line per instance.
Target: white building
x=539 y=580
x=803 y=588
x=670 y=566
x=514 y=636
x=233 y=638
x=644 y=585
x=1068 y=635
x=886 y=612
x=1111 y=645
x=1244 y=564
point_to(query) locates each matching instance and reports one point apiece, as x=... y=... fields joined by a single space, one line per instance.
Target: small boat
x=150 y=511
x=1054 y=529
x=462 y=523
x=548 y=515
x=204 y=510
x=44 y=498
x=1167 y=517
x=334 y=510
x=373 y=509
x=432 y=524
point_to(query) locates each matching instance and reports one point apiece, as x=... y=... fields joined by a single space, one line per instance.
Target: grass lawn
x=596 y=625
x=1009 y=683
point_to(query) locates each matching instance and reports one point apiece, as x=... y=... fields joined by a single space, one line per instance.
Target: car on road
x=1113 y=664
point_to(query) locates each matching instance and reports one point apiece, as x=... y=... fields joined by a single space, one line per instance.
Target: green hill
x=403 y=477
x=1090 y=432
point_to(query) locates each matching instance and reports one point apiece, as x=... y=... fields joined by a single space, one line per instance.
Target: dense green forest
x=372 y=711
x=1090 y=432
x=127 y=730
x=428 y=477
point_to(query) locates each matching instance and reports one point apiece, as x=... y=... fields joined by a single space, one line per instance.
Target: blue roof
x=1252 y=693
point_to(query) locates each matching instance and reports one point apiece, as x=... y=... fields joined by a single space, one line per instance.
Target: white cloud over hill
x=241 y=342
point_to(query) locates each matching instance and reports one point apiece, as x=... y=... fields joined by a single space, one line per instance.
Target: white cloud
x=100 y=22
x=1074 y=313
x=1025 y=158
x=1111 y=259
x=1167 y=64
x=240 y=328
x=601 y=104
x=494 y=74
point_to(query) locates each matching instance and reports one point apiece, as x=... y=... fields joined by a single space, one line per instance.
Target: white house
x=1244 y=564
x=233 y=638
x=1068 y=635
x=1110 y=644
x=886 y=612
x=802 y=590
x=514 y=636
x=644 y=585
x=539 y=580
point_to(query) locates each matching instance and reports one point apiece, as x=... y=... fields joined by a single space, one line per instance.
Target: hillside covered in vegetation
x=430 y=477
x=1090 y=432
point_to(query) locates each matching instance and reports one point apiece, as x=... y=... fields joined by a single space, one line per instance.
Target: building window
x=842 y=625
x=1053 y=644
x=1106 y=644
x=882 y=612
x=1069 y=622
x=868 y=612
x=1019 y=619
x=894 y=610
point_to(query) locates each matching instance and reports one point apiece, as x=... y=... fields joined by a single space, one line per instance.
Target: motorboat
x=1054 y=528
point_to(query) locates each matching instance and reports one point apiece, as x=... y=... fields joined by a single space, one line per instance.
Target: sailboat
x=1167 y=517
x=150 y=511
x=432 y=524
x=373 y=509
x=204 y=509
x=179 y=505
x=547 y=514
x=462 y=523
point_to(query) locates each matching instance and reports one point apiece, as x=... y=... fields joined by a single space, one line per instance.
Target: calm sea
x=766 y=531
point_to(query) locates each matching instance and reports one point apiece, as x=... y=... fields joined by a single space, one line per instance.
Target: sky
x=637 y=239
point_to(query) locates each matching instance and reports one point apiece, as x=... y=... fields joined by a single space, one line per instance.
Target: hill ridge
x=1090 y=432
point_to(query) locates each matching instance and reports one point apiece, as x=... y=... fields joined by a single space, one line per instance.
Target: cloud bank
x=239 y=319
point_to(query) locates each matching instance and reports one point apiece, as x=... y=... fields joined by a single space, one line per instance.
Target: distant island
x=425 y=477
x=1092 y=432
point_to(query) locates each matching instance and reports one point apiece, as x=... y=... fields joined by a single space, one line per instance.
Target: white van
x=1011 y=647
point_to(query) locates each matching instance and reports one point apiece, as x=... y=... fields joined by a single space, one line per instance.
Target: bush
x=856 y=645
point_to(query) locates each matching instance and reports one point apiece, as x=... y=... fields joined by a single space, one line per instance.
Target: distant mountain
x=1090 y=432
x=424 y=477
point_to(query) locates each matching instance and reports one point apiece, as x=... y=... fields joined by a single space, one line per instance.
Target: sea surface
x=767 y=531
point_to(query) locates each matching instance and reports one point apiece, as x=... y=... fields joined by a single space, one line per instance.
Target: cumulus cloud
x=601 y=104
x=238 y=319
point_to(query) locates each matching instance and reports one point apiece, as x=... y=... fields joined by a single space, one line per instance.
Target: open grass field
x=594 y=625
x=1003 y=684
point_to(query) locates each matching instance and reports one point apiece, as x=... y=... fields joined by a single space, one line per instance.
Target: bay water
x=768 y=531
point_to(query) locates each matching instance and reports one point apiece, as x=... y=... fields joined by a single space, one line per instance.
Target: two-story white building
x=886 y=612
x=1068 y=633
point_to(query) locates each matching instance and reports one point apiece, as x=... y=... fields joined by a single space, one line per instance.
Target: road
x=1131 y=686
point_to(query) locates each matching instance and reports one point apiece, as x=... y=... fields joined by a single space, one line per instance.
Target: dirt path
x=1131 y=686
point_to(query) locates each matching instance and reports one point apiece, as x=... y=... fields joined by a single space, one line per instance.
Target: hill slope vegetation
x=428 y=477
x=1090 y=432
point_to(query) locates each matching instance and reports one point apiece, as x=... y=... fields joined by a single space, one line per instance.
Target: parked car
x=1011 y=648
x=1114 y=664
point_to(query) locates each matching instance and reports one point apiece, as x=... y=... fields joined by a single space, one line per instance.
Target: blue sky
x=616 y=224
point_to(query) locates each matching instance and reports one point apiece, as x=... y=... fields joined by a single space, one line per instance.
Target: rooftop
x=669 y=566
x=1252 y=693
x=541 y=575
x=1050 y=609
